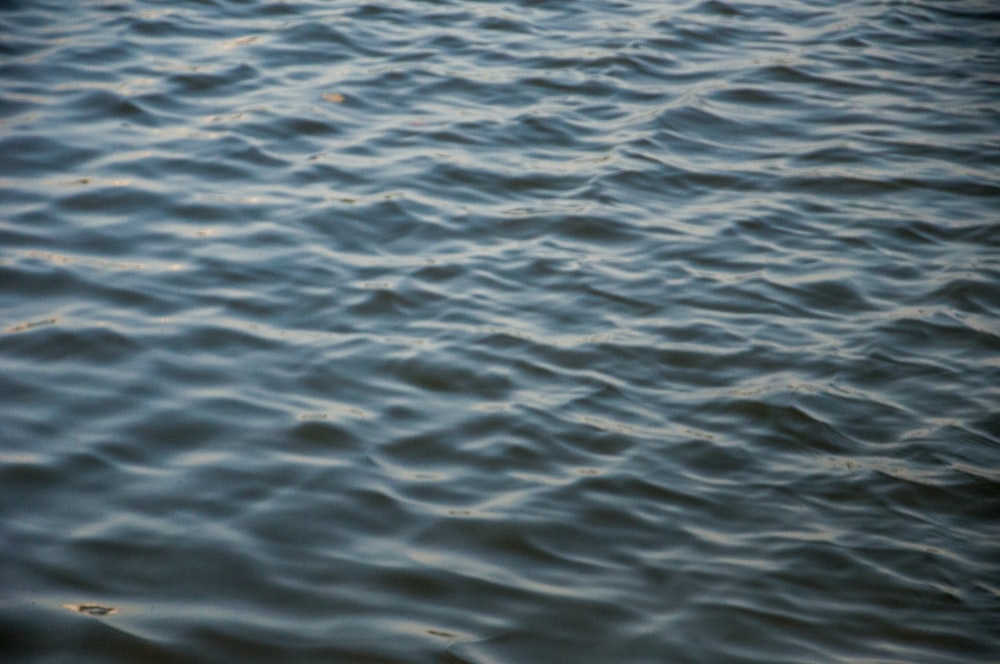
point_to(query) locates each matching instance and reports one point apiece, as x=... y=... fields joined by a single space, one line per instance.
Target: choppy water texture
x=500 y=332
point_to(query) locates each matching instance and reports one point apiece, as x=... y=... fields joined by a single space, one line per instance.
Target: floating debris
x=334 y=97
x=30 y=325
x=92 y=609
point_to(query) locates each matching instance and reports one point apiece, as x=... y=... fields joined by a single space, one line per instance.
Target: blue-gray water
x=500 y=332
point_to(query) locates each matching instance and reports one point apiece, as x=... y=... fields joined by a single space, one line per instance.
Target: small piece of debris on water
x=334 y=97
x=30 y=325
x=92 y=609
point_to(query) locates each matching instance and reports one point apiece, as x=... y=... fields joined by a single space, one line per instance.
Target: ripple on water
x=409 y=331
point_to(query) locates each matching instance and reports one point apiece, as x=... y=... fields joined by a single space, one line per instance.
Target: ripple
x=409 y=331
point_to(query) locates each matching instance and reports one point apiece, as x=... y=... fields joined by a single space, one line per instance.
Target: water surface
x=499 y=332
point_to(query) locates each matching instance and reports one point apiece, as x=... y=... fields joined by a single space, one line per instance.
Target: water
x=482 y=332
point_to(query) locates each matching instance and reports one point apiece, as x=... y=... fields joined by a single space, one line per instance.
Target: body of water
x=500 y=332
